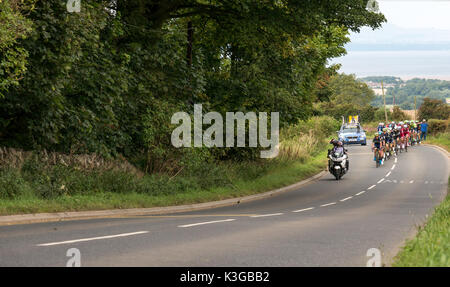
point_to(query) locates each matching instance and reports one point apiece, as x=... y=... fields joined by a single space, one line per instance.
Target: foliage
x=107 y=79
x=398 y=114
x=347 y=89
x=384 y=79
x=405 y=92
x=14 y=26
x=438 y=126
x=434 y=109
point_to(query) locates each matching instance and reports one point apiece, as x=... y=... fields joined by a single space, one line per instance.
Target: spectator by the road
x=423 y=129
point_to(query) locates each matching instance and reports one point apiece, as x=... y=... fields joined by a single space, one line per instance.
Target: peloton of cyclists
x=394 y=137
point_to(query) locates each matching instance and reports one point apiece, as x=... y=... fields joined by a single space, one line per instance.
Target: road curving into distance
x=325 y=223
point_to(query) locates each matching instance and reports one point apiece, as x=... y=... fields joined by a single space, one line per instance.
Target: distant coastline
x=407 y=64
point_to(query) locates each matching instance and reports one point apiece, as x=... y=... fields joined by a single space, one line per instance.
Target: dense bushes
x=438 y=126
x=305 y=139
x=434 y=109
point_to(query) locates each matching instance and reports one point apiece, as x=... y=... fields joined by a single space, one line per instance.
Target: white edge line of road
x=206 y=222
x=347 y=198
x=371 y=187
x=92 y=238
x=80 y=215
x=266 y=215
x=359 y=193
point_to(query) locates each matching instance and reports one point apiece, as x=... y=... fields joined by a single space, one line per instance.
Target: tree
x=434 y=109
x=13 y=27
x=347 y=89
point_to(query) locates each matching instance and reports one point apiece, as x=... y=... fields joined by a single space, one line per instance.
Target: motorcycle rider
x=339 y=147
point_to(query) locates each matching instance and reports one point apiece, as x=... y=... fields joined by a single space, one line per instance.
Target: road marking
x=372 y=187
x=207 y=222
x=426 y=182
x=412 y=181
x=393 y=167
x=388 y=174
x=395 y=160
x=92 y=238
x=381 y=180
x=359 y=193
x=265 y=215
x=395 y=181
x=305 y=209
x=328 y=204
x=347 y=198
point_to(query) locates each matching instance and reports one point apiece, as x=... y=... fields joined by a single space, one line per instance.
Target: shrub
x=12 y=184
x=434 y=109
x=437 y=126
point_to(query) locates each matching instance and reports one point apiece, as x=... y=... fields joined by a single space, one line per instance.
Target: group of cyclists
x=394 y=138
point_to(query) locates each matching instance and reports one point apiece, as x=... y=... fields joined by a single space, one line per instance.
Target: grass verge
x=278 y=174
x=431 y=246
x=442 y=140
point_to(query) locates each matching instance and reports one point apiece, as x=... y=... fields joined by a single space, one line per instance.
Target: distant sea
x=432 y=64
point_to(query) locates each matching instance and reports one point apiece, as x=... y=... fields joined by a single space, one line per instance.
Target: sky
x=417 y=14
x=417 y=33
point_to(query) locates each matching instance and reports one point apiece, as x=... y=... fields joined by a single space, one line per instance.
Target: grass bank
x=40 y=182
x=442 y=140
x=431 y=246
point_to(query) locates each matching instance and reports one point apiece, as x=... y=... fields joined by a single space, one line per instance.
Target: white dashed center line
x=393 y=167
x=381 y=180
x=347 y=198
x=359 y=193
x=266 y=215
x=208 y=222
x=372 y=187
x=92 y=238
x=395 y=160
x=305 y=209
x=328 y=204
x=388 y=174
x=412 y=181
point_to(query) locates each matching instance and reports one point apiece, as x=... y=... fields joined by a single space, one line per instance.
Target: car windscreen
x=350 y=130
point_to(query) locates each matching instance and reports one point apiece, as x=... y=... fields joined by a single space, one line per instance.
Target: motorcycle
x=337 y=163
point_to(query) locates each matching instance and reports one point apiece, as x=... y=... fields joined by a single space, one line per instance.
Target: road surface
x=325 y=223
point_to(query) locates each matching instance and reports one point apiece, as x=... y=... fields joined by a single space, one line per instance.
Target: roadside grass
x=431 y=246
x=277 y=174
x=35 y=182
x=442 y=140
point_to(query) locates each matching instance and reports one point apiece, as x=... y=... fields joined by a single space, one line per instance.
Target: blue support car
x=352 y=134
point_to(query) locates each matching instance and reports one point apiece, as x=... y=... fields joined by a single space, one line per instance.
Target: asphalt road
x=325 y=223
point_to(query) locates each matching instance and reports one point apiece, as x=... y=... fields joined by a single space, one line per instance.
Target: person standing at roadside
x=423 y=129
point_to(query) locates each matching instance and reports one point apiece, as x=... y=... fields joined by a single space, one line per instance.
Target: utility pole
x=415 y=109
x=384 y=100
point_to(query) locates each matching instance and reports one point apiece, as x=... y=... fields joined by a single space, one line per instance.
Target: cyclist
x=377 y=147
x=380 y=127
x=385 y=138
x=407 y=134
x=390 y=142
